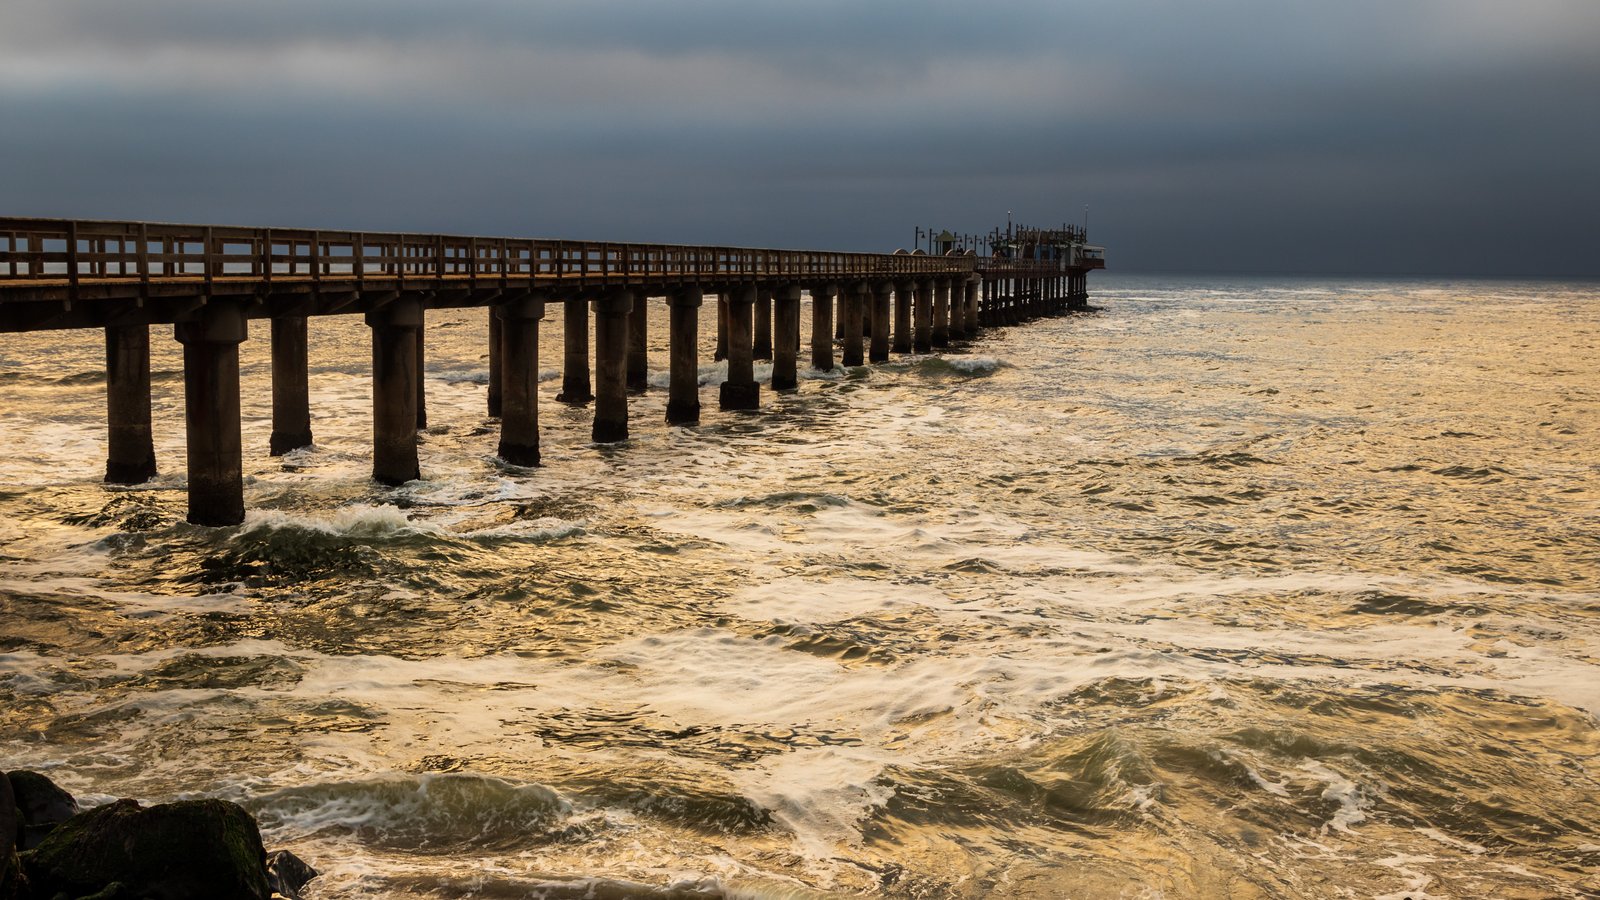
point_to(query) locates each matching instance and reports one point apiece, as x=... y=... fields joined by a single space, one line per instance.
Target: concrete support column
x=923 y=336
x=422 y=373
x=722 y=328
x=519 y=341
x=494 y=364
x=683 y=322
x=958 y=309
x=130 y=445
x=941 y=313
x=291 y=390
x=822 y=326
x=638 y=345
x=785 y=337
x=902 y=317
x=740 y=391
x=211 y=412
x=879 y=350
x=395 y=373
x=575 y=360
x=611 y=366
x=762 y=346
x=852 y=302
x=972 y=288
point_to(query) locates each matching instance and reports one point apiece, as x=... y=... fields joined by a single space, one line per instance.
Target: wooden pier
x=208 y=282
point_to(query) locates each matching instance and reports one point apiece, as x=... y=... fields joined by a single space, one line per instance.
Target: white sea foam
x=975 y=365
x=1352 y=799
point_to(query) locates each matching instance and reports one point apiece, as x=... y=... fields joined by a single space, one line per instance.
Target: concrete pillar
x=494 y=364
x=881 y=294
x=395 y=373
x=519 y=341
x=822 y=326
x=611 y=366
x=722 y=328
x=638 y=346
x=785 y=337
x=902 y=317
x=958 y=309
x=291 y=390
x=740 y=391
x=852 y=302
x=762 y=348
x=923 y=335
x=131 y=449
x=941 y=313
x=683 y=321
x=211 y=412
x=575 y=360
x=422 y=373
x=972 y=287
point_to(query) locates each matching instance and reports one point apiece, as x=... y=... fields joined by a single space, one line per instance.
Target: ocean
x=1238 y=587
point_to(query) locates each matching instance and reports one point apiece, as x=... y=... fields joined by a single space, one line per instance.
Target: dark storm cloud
x=1422 y=136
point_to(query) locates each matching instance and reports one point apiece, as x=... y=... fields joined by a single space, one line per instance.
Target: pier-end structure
x=211 y=282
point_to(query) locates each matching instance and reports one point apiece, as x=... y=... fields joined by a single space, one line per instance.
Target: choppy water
x=1236 y=589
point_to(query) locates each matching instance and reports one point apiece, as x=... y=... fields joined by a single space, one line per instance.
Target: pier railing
x=40 y=250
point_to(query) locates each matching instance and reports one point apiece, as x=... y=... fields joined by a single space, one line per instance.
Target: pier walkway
x=208 y=282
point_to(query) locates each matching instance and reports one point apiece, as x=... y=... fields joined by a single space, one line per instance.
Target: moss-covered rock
x=200 y=849
x=10 y=870
x=41 y=806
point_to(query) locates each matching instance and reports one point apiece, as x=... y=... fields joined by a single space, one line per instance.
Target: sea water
x=1234 y=588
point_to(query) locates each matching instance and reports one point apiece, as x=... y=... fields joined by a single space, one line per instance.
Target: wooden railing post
x=144 y=260
x=208 y=258
x=72 y=260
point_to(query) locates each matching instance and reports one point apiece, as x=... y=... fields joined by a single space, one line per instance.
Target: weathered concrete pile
x=50 y=849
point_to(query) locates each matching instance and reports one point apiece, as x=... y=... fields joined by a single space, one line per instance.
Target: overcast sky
x=1361 y=136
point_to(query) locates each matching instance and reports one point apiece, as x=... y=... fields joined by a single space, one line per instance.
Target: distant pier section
x=208 y=283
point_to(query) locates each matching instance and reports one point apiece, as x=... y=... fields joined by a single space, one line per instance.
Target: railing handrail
x=76 y=251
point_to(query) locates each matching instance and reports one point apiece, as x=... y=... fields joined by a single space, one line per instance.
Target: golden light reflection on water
x=1234 y=590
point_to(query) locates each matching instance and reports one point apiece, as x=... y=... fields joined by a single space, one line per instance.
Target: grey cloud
x=1233 y=135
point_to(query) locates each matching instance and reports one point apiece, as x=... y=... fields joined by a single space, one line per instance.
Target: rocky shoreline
x=51 y=849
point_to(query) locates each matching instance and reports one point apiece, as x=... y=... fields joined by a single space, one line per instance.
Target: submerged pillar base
x=740 y=396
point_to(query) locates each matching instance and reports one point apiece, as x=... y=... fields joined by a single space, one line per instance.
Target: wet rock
x=200 y=849
x=10 y=827
x=287 y=874
x=41 y=806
